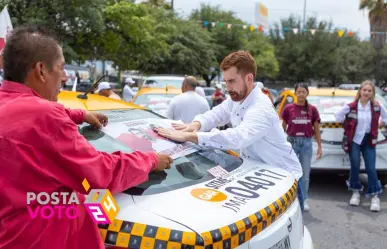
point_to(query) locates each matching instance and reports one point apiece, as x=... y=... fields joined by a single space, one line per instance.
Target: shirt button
x=237 y=114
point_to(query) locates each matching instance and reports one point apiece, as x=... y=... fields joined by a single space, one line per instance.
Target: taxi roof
x=331 y=92
x=148 y=90
x=313 y=91
x=93 y=103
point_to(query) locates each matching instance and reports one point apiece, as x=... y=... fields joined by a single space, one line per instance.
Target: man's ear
x=39 y=71
x=250 y=78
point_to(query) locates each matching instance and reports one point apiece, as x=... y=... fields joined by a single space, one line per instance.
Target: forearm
x=317 y=134
x=78 y=159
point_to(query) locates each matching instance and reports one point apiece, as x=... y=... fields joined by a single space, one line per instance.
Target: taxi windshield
x=186 y=170
x=153 y=100
x=162 y=83
x=332 y=104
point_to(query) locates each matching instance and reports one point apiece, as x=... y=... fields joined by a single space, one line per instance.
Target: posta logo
x=207 y=194
x=100 y=204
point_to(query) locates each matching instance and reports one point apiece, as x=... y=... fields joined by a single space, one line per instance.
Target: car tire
x=383 y=179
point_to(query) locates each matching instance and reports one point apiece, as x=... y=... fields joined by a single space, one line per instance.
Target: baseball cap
x=103 y=86
x=129 y=81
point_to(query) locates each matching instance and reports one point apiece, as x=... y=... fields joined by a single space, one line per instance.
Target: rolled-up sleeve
x=219 y=115
x=76 y=115
x=340 y=114
x=256 y=123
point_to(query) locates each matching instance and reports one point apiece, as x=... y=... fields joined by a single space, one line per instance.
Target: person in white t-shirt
x=199 y=90
x=187 y=105
x=128 y=92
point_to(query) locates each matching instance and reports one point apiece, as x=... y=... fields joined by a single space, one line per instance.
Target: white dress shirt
x=257 y=131
x=128 y=93
x=186 y=106
x=363 y=119
x=199 y=90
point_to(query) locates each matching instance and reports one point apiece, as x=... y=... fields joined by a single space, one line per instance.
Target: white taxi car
x=328 y=101
x=208 y=199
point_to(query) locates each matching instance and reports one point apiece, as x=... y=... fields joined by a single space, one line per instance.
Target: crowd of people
x=42 y=150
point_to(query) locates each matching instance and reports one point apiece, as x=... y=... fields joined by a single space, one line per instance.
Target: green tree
x=129 y=37
x=77 y=24
x=189 y=51
x=378 y=23
x=324 y=55
x=159 y=4
x=228 y=39
x=264 y=54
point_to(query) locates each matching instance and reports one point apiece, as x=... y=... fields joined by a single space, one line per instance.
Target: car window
x=332 y=104
x=209 y=91
x=152 y=100
x=185 y=171
x=329 y=104
x=161 y=83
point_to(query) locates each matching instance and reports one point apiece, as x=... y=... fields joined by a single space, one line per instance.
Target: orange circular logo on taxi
x=206 y=194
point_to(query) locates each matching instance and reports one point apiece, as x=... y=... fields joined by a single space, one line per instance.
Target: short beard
x=238 y=96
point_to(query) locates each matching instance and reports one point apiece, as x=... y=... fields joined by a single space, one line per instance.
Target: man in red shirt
x=218 y=96
x=41 y=150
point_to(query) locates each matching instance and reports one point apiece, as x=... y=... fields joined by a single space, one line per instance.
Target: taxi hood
x=254 y=191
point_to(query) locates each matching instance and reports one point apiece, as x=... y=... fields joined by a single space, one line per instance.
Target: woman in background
x=301 y=121
x=361 y=127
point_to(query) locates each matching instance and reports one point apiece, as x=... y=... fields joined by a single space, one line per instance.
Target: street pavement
x=334 y=224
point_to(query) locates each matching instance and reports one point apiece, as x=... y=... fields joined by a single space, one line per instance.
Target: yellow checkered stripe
x=331 y=125
x=132 y=235
x=340 y=125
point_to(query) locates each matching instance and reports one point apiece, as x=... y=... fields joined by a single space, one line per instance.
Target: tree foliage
x=129 y=35
x=324 y=55
x=151 y=38
x=76 y=23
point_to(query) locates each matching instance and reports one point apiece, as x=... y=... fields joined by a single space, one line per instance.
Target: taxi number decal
x=247 y=188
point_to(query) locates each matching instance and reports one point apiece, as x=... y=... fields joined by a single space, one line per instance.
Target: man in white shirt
x=187 y=105
x=199 y=90
x=127 y=92
x=257 y=129
x=105 y=89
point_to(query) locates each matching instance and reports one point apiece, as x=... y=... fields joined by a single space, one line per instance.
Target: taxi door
x=285 y=98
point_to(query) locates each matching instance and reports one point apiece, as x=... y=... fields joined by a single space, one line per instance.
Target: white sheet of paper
x=139 y=136
x=218 y=171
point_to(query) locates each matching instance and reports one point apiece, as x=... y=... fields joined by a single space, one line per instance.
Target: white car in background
x=328 y=101
x=208 y=199
x=163 y=81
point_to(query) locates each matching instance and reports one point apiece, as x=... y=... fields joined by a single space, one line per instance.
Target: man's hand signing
x=98 y=120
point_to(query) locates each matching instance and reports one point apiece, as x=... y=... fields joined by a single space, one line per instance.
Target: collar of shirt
x=10 y=86
x=250 y=99
x=367 y=107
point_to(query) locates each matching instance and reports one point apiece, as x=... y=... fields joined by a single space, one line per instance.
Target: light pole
x=172 y=4
x=303 y=22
